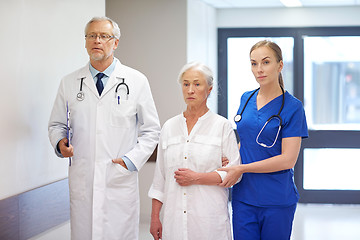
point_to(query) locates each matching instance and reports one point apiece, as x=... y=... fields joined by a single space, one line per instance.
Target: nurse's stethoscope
x=80 y=95
x=238 y=117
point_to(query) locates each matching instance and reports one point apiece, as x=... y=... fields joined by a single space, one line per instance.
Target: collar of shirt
x=107 y=72
x=203 y=117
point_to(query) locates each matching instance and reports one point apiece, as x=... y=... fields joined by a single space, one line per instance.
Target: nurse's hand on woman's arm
x=64 y=149
x=286 y=160
x=187 y=177
x=232 y=176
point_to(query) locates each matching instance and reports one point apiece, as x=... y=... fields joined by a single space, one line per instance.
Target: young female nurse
x=271 y=124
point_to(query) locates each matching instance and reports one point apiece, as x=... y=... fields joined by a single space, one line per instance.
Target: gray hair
x=199 y=67
x=116 y=29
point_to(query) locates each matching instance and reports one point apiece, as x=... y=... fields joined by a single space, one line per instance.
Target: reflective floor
x=327 y=222
x=312 y=222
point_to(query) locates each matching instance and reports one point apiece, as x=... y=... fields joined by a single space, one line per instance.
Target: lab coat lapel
x=114 y=79
x=88 y=80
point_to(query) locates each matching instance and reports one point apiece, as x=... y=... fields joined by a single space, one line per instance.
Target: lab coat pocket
x=116 y=175
x=123 y=114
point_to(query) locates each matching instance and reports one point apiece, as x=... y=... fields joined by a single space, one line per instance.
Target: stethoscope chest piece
x=80 y=96
x=237 y=118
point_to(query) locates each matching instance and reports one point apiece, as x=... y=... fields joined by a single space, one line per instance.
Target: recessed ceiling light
x=291 y=3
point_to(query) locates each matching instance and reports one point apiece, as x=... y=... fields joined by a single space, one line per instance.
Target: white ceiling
x=277 y=3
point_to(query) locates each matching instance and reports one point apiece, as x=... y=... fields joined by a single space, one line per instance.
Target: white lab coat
x=104 y=197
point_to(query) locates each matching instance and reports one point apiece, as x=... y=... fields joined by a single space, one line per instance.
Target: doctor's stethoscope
x=80 y=95
x=238 y=117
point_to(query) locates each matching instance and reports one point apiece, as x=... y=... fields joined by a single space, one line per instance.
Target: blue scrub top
x=268 y=189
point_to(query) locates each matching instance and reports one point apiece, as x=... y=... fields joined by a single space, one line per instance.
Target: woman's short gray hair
x=199 y=67
x=116 y=29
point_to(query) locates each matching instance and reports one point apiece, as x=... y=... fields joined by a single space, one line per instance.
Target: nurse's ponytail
x=281 y=81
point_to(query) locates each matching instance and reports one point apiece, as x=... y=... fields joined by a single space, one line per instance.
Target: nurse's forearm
x=273 y=164
x=286 y=160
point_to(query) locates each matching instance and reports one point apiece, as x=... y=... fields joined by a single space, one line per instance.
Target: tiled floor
x=312 y=222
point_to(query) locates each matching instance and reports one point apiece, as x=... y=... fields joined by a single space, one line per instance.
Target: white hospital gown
x=196 y=211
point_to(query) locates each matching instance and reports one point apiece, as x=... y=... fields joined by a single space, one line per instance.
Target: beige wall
x=41 y=42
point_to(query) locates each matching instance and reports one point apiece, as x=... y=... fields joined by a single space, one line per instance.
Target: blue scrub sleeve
x=295 y=123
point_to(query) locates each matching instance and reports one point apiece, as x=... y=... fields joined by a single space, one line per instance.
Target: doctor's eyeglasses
x=102 y=37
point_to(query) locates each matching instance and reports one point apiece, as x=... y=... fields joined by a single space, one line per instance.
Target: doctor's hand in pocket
x=65 y=150
x=121 y=162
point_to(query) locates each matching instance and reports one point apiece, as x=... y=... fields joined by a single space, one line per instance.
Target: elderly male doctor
x=115 y=129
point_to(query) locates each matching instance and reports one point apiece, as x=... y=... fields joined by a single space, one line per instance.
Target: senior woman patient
x=191 y=148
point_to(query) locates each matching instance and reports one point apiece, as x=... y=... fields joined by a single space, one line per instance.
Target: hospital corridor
x=104 y=75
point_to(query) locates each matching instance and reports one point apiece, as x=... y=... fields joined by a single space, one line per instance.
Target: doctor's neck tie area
x=99 y=83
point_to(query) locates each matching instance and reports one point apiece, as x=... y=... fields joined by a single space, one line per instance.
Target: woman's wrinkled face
x=195 y=88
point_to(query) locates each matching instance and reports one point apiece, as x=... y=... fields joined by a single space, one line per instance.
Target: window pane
x=240 y=77
x=332 y=82
x=331 y=169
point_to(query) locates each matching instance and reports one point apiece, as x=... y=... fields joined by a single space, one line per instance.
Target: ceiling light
x=291 y=3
